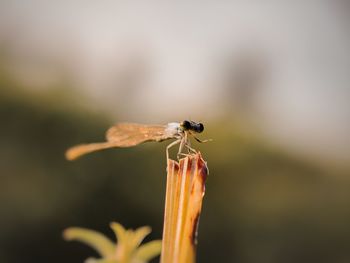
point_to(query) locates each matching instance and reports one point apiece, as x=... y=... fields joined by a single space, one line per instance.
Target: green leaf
x=126 y=250
x=148 y=251
x=104 y=246
x=119 y=231
x=95 y=260
x=138 y=236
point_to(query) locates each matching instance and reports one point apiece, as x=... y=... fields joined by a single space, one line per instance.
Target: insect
x=131 y=134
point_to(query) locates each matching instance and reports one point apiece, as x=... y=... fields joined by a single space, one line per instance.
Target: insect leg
x=188 y=145
x=171 y=145
x=184 y=141
x=182 y=144
x=199 y=140
x=190 y=149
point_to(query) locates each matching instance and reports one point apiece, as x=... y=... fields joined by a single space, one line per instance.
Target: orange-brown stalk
x=183 y=202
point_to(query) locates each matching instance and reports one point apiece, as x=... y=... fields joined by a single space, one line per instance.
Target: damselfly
x=131 y=134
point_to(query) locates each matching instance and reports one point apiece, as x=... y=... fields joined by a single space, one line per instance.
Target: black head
x=186 y=125
x=200 y=128
x=192 y=126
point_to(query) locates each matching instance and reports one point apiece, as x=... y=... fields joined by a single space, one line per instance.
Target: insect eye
x=186 y=125
x=201 y=127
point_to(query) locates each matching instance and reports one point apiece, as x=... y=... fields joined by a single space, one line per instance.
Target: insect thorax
x=173 y=128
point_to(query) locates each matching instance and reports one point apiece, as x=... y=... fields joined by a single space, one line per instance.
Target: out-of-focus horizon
x=282 y=66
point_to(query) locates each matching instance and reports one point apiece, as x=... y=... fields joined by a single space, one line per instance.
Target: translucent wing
x=79 y=150
x=122 y=135
x=130 y=134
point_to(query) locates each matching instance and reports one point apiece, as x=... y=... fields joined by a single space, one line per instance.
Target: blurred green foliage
x=261 y=204
x=127 y=249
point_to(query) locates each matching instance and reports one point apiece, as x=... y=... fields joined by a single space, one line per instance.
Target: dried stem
x=184 y=194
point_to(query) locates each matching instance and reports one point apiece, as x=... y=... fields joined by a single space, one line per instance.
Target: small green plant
x=127 y=249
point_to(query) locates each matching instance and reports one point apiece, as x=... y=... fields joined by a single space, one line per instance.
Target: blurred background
x=270 y=81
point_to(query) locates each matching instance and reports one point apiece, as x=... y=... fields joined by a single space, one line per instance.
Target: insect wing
x=82 y=149
x=122 y=135
x=131 y=134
